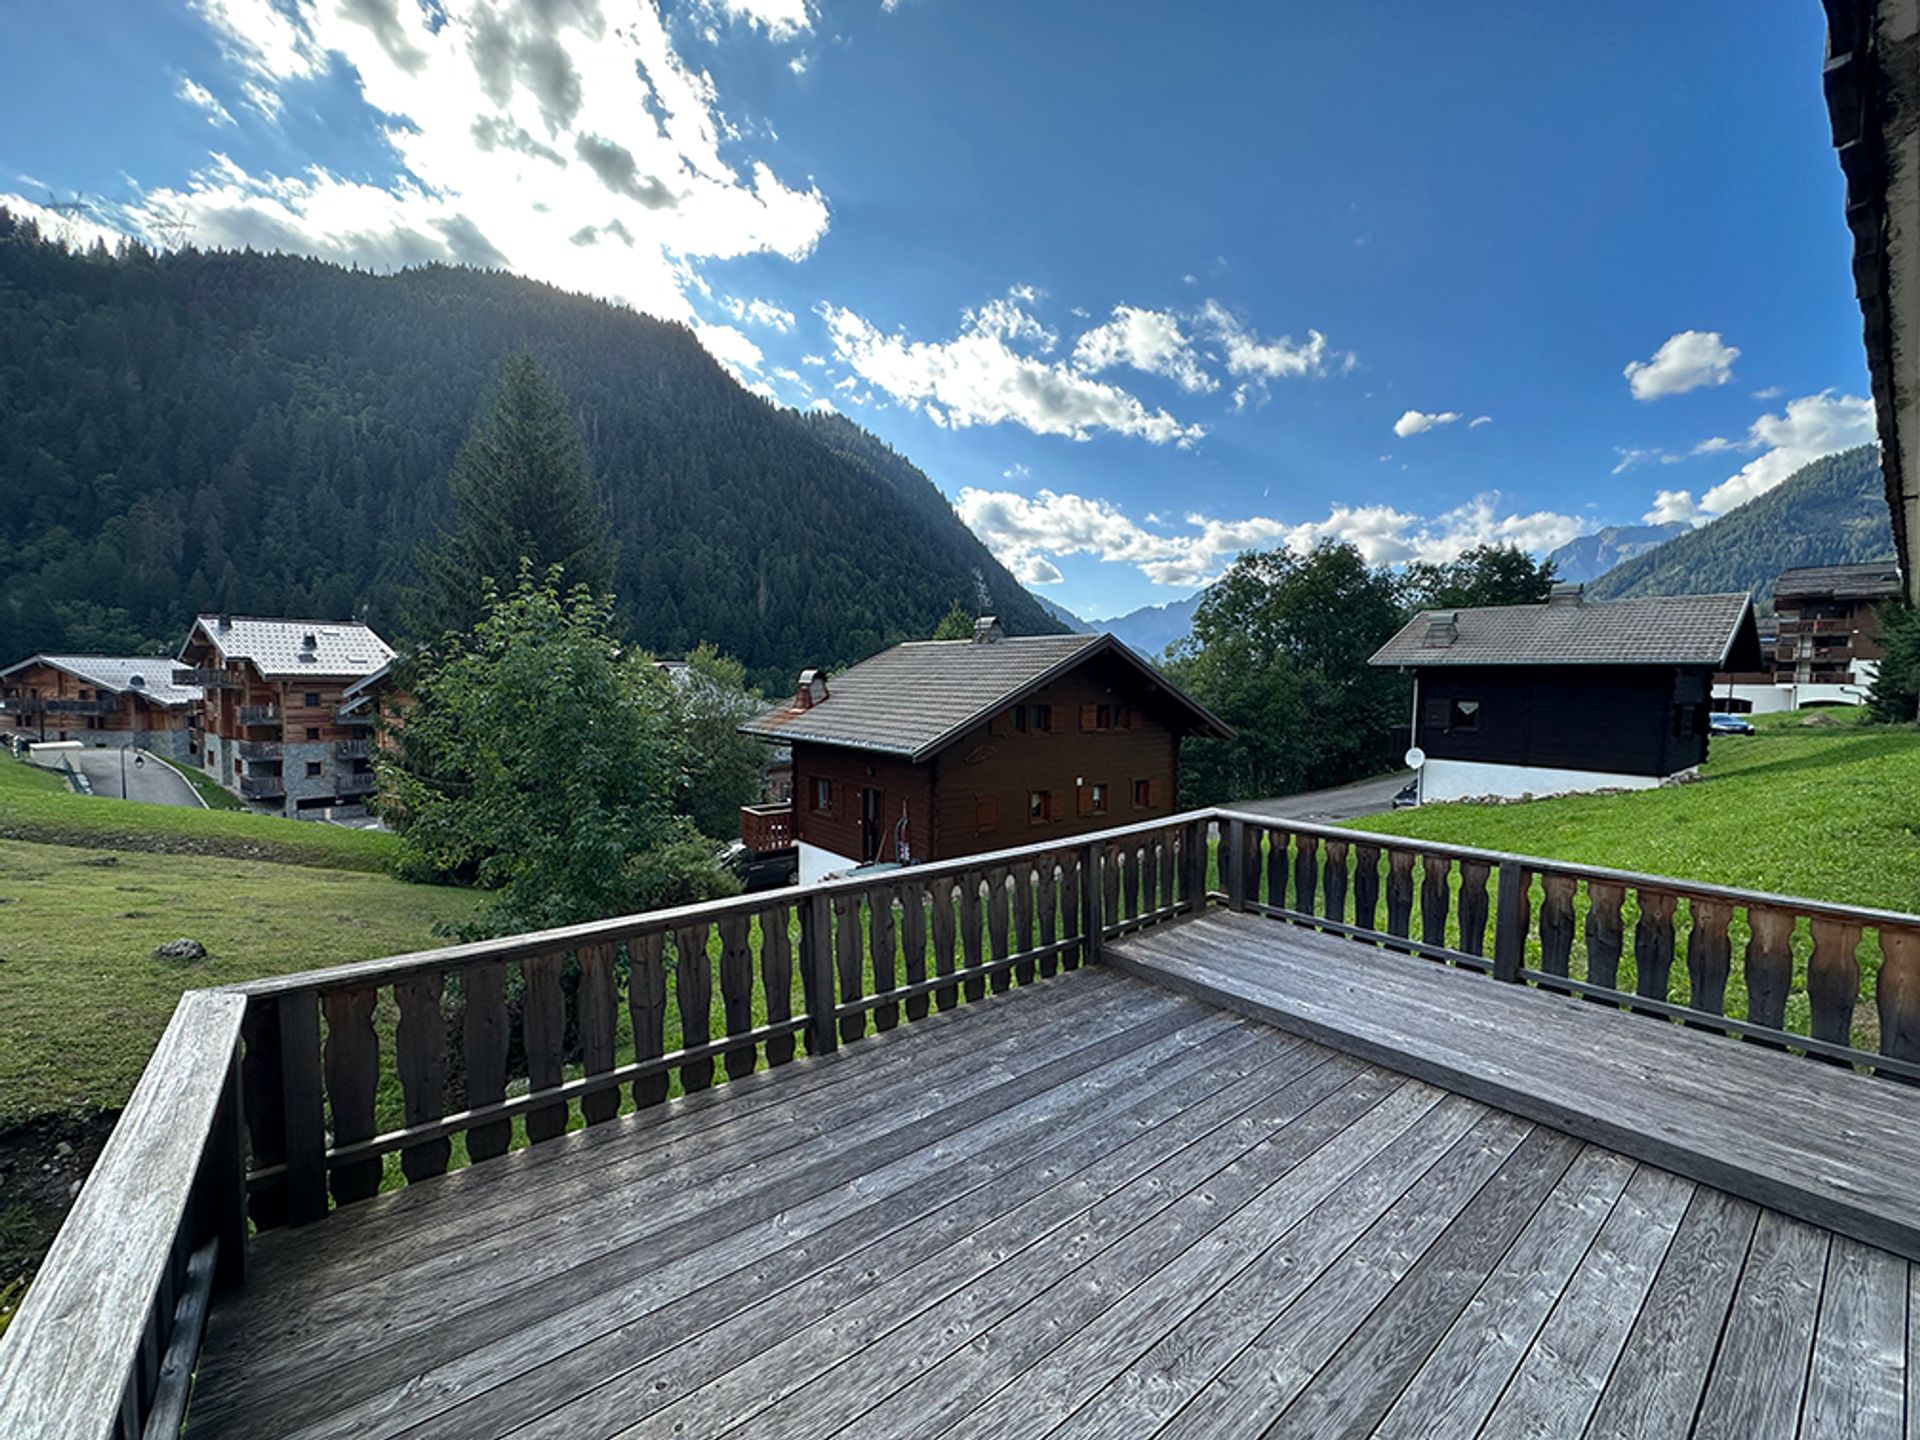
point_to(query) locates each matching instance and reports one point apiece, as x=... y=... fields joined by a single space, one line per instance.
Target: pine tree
x=522 y=495
x=1894 y=696
x=956 y=624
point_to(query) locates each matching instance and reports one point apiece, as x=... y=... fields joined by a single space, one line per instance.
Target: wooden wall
x=1615 y=718
x=899 y=782
x=48 y=683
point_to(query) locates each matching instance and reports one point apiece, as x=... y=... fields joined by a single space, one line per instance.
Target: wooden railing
x=381 y=1074
x=766 y=827
x=1776 y=969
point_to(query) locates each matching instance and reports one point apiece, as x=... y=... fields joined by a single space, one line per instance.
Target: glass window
x=1463 y=715
x=313 y=699
x=1039 y=806
x=313 y=767
x=820 y=796
x=1142 y=794
x=1042 y=716
x=1099 y=799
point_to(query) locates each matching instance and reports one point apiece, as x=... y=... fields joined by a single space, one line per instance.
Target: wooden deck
x=1094 y=1207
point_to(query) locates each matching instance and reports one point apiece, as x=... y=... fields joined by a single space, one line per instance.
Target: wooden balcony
x=263 y=787
x=766 y=827
x=258 y=749
x=259 y=714
x=109 y=705
x=352 y=749
x=356 y=784
x=1330 y=1134
x=206 y=677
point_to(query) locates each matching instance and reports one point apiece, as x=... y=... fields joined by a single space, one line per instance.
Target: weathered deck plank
x=1090 y=1208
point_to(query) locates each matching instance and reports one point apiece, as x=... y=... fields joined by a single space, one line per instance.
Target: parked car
x=1408 y=795
x=761 y=869
x=1730 y=725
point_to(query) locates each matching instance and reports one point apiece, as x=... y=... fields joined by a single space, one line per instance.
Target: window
x=1463 y=715
x=1042 y=718
x=820 y=795
x=1017 y=719
x=1142 y=794
x=986 y=813
x=313 y=699
x=1103 y=717
x=1098 y=798
x=313 y=732
x=313 y=768
x=1039 y=806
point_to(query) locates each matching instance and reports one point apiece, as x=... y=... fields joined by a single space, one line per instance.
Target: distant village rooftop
x=917 y=697
x=1711 y=630
x=290 y=649
x=149 y=676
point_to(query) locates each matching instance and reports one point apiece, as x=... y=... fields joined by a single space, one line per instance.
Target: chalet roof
x=1877 y=581
x=1656 y=630
x=917 y=697
x=278 y=649
x=150 y=676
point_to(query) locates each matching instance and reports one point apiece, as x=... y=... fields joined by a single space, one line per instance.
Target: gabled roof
x=1878 y=581
x=918 y=697
x=278 y=649
x=149 y=676
x=1657 y=630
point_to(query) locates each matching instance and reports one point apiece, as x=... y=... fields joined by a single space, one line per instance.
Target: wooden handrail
x=101 y=1335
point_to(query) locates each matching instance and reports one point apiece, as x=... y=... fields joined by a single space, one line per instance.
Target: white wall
x=1772 y=699
x=817 y=863
x=1472 y=779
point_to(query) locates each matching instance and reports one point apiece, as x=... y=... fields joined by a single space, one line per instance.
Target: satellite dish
x=1416 y=757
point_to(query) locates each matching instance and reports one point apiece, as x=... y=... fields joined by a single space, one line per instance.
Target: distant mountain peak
x=1588 y=557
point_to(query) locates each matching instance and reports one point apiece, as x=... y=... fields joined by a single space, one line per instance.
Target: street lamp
x=138 y=761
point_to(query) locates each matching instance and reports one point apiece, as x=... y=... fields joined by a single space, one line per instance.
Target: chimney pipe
x=987 y=629
x=1561 y=595
x=811 y=690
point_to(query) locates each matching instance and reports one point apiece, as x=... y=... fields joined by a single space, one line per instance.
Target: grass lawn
x=1830 y=814
x=36 y=805
x=215 y=795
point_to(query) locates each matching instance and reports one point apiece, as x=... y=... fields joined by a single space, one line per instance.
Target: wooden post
x=816 y=974
x=1605 y=937
x=266 y=1120
x=1709 y=954
x=1653 y=943
x=1399 y=893
x=1896 y=992
x=1092 y=920
x=1233 y=846
x=1193 y=845
x=306 y=1127
x=1306 y=862
x=226 y=1199
x=1510 y=921
x=1473 y=906
x=1769 y=964
x=1556 y=921
x=1833 y=980
x=1333 y=890
x=1366 y=886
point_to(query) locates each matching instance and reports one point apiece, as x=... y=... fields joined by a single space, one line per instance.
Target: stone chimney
x=1443 y=628
x=987 y=629
x=812 y=689
x=1561 y=595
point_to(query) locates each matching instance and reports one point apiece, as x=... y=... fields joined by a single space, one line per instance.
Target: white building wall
x=817 y=863
x=1472 y=780
x=1773 y=699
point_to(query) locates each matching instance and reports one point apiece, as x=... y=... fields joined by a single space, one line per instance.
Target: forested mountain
x=204 y=431
x=1587 y=557
x=1830 y=512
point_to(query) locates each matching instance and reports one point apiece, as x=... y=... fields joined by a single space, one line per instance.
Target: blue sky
x=1138 y=285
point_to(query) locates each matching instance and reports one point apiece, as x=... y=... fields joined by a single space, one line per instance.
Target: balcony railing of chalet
x=106 y=1338
x=259 y=714
x=81 y=707
x=258 y=749
x=352 y=749
x=356 y=783
x=263 y=787
x=766 y=827
x=207 y=678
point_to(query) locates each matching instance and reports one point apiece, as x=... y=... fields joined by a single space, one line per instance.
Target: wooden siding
x=899 y=781
x=1618 y=719
x=45 y=682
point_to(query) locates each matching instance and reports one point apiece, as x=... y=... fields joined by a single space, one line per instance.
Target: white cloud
x=730 y=347
x=1478 y=421
x=1005 y=319
x=1027 y=533
x=1262 y=360
x=823 y=404
x=781 y=19
x=979 y=378
x=201 y=98
x=1148 y=340
x=1672 y=505
x=798 y=65
x=1812 y=426
x=1415 y=422
x=571 y=146
x=1686 y=361
x=74 y=227
x=1015 y=471
x=759 y=312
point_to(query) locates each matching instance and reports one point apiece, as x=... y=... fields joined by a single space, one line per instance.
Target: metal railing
x=259 y=714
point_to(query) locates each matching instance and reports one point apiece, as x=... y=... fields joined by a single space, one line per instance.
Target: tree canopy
x=1484 y=575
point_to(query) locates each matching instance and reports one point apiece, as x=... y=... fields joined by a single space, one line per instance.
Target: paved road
x=153 y=782
x=1348 y=802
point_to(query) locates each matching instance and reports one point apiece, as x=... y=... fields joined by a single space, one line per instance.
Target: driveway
x=153 y=782
x=1348 y=802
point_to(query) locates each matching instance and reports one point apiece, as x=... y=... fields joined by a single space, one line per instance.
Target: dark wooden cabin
x=943 y=748
x=1564 y=696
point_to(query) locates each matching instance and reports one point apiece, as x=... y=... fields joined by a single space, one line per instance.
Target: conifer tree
x=523 y=497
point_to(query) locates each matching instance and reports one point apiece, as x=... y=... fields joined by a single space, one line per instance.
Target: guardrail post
x=1093 y=922
x=1195 y=857
x=1233 y=846
x=227 y=1184
x=1510 y=921
x=301 y=1103
x=816 y=974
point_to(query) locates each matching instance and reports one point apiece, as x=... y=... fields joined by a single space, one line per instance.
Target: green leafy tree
x=1485 y=575
x=721 y=769
x=1279 y=651
x=522 y=492
x=956 y=624
x=568 y=763
x=1894 y=696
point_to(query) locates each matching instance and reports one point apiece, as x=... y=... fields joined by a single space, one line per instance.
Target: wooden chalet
x=1568 y=695
x=106 y=700
x=279 y=726
x=941 y=748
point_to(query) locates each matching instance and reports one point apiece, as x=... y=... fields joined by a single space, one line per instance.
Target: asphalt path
x=1347 y=802
x=152 y=782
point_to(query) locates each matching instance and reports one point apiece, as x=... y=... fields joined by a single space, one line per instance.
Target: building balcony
x=81 y=707
x=766 y=827
x=205 y=677
x=263 y=787
x=258 y=749
x=353 y=749
x=259 y=714
x=358 y=783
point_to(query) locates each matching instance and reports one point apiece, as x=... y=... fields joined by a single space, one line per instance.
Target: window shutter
x=1437 y=713
x=1089 y=717
x=1084 y=800
x=986 y=813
